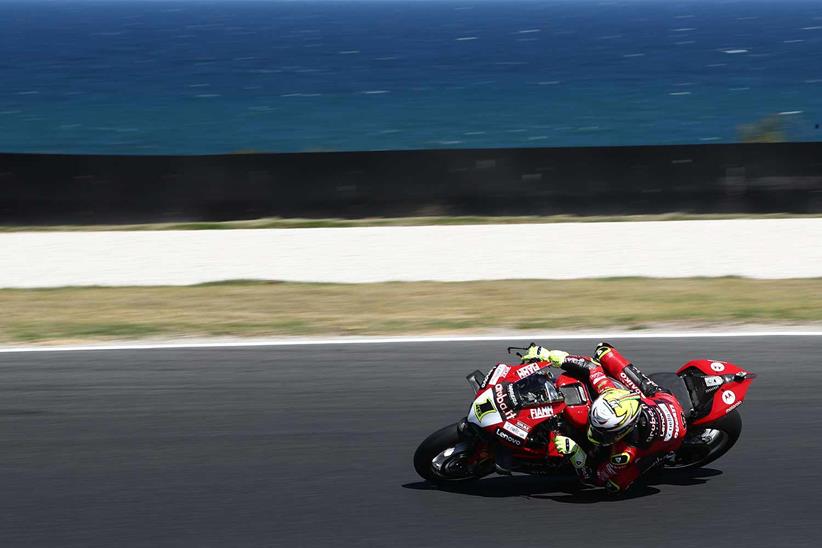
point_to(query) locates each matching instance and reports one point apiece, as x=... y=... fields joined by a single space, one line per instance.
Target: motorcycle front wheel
x=443 y=457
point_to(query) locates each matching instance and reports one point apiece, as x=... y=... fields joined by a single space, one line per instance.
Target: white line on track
x=397 y=340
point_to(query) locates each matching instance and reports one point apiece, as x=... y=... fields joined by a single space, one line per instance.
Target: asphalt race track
x=312 y=446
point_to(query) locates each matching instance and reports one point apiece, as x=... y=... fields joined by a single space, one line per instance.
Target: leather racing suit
x=660 y=427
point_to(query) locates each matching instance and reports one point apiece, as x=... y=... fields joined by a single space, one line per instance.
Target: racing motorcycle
x=518 y=410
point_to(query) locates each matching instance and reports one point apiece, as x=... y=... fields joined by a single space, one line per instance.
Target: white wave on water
x=709 y=138
x=117 y=129
x=789 y=112
x=349 y=52
x=537 y=138
x=746 y=88
x=549 y=83
x=816 y=27
x=686 y=16
x=676 y=93
x=734 y=51
x=301 y=95
x=474 y=133
x=375 y=92
x=528 y=31
x=32 y=92
x=467 y=38
x=683 y=29
x=199 y=85
x=454 y=142
x=792 y=41
x=630 y=55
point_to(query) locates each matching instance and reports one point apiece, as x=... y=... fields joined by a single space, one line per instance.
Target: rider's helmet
x=613 y=415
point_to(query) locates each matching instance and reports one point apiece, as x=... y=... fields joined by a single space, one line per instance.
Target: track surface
x=312 y=446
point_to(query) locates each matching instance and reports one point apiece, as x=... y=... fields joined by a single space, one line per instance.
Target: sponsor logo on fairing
x=504 y=408
x=512 y=395
x=523 y=426
x=515 y=430
x=527 y=370
x=500 y=372
x=713 y=381
x=508 y=438
x=487 y=376
x=734 y=406
x=542 y=412
x=728 y=397
x=719 y=367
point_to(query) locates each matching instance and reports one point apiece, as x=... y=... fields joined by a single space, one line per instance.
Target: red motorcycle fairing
x=732 y=384
x=492 y=411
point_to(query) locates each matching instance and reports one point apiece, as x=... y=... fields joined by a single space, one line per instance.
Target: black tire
x=729 y=426
x=435 y=445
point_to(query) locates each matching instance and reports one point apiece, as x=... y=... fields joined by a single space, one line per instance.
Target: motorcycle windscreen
x=536 y=389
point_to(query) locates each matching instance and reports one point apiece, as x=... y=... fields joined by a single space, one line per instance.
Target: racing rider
x=629 y=431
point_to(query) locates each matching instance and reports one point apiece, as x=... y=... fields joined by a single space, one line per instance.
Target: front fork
x=482 y=453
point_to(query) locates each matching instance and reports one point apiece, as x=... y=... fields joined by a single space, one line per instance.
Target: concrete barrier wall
x=768 y=177
x=788 y=248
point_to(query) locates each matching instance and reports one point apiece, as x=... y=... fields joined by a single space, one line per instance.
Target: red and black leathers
x=659 y=430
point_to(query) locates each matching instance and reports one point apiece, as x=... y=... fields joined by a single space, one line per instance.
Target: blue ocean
x=220 y=76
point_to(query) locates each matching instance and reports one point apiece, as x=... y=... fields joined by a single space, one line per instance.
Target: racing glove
x=568 y=447
x=541 y=354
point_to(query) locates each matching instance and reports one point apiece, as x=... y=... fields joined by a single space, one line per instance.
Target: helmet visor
x=607 y=437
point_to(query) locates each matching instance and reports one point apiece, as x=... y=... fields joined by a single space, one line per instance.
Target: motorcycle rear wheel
x=442 y=457
x=705 y=445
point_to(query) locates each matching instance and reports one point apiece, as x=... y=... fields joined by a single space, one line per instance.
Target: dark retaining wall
x=781 y=177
